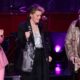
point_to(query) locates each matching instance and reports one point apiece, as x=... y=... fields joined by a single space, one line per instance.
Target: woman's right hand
x=27 y=34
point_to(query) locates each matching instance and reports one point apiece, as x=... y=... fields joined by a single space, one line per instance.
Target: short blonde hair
x=36 y=7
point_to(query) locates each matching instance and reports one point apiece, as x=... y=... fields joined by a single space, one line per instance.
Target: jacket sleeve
x=69 y=42
x=21 y=35
x=47 y=44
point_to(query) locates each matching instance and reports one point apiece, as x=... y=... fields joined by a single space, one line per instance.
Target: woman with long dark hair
x=72 y=45
x=3 y=58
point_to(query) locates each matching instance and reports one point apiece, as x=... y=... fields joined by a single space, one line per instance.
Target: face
x=1 y=35
x=36 y=16
x=79 y=17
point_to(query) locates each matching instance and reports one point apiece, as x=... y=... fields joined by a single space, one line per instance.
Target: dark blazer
x=25 y=26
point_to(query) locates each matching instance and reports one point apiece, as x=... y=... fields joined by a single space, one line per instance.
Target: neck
x=32 y=22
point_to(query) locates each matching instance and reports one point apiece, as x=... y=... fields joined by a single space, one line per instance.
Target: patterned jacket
x=72 y=44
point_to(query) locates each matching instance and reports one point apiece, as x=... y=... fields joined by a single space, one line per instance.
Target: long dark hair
x=78 y=20
x=78 y=24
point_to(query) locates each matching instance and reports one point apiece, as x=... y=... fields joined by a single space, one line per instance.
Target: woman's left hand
x=50 y=58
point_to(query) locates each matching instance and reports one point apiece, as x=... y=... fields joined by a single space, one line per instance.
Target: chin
x=1 y=42
x=37 y=22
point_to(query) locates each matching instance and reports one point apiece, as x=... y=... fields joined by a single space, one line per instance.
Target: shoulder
x=23 y=26
x=40 y=26
x=73 y=23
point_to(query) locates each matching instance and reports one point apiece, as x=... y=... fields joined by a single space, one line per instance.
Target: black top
x=26 y=26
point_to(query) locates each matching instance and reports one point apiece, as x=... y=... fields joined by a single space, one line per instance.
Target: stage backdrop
x=56 y=22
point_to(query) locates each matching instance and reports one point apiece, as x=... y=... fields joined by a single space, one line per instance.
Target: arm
x=48 y=46
x=69 y=43
x=21 y=35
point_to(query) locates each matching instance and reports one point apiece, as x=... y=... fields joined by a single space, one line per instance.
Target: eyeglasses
x=1 y=35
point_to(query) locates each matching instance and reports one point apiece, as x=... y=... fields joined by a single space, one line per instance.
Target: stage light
x=58 y=69
x=22 y=9
x=57 y=48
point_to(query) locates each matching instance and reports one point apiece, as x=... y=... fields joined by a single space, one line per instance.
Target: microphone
x=44 y=18
x=29 y=28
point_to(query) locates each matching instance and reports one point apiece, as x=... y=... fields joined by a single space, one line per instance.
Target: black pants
x=40 y=68
x=25 y=76
x=77 y=75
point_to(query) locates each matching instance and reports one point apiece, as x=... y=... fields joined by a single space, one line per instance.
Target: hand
x=27 y=35
x=72 y=59
x=50 y=58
